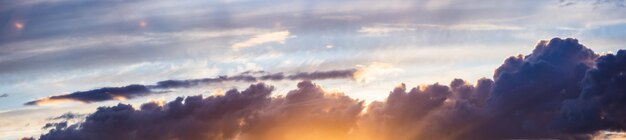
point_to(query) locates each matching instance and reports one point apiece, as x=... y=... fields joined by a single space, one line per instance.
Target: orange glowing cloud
x=49 y=101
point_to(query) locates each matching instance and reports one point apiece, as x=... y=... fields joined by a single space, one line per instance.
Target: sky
x=77 y=58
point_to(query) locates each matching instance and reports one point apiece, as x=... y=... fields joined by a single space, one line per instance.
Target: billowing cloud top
x=562 y=90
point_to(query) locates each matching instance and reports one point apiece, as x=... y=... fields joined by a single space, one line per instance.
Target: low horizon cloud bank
x=137 y=90
x=562 y=90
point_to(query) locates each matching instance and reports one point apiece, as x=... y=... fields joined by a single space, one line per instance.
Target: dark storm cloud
x=135 y=90
x=525 y=101
x=602 y=101
x=530 y=89
x=562 y=90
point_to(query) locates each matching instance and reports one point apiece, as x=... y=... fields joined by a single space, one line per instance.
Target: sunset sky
x=62 y=59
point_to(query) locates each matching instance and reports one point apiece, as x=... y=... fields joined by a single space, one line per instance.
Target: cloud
x=383 y=30
x=247 y=114
x=4 y=95
x=529 y=90
x=596 y=3
x=68 y=116
x=223 y=117
x=279 y=37
x=387 y=29
x=562 y=90
x=59 y=125
x=349 y=73
x=601 y=103
x=135 y=90
x=27 y=138
x=96 y=95
x=308 y=112
x=218 y=117
x=483 y=27
x=251 y=77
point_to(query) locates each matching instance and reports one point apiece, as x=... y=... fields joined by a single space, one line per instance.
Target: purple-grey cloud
x=136 y=90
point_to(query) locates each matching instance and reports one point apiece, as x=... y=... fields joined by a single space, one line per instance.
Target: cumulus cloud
x=562 y=90
x=135 y=90
x=278 y=37
x=529 y=90
x=248 y=114
x=308 y=112
x=602 y=101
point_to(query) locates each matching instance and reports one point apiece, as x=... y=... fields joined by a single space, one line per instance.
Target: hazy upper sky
x=55 y=47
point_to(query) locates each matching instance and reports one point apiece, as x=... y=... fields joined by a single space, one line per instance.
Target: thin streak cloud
x=136 y=90
x=277 y=37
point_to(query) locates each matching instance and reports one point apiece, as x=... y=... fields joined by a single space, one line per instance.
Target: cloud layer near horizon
x=562 y=90
x=135 y=90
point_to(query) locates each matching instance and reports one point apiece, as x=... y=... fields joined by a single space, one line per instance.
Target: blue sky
x=57 y=47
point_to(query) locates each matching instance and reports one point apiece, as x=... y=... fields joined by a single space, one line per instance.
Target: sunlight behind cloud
x=368 y=73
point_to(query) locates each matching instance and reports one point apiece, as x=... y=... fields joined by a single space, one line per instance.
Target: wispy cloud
x=278 y=37
x=483 y=27
x=387 y=29
x=384 y=30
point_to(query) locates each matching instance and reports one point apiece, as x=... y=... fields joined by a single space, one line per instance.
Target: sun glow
x=119 y=97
